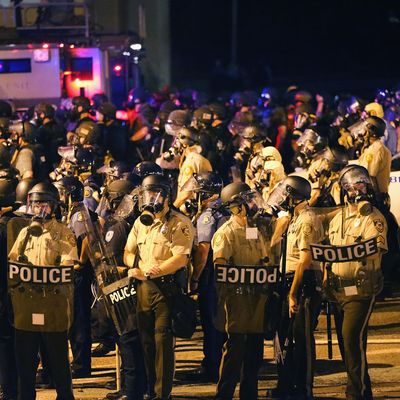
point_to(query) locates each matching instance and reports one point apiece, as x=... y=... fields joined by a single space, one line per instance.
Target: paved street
x=383 y=357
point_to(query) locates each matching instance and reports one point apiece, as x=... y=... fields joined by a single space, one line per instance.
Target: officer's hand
x=293 y=306
x=136 y=273
x=155 y=270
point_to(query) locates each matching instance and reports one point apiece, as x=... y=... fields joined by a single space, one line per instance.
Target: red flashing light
x=71 y=46
x=45 y=45
x=61 y=45
x=118 y=68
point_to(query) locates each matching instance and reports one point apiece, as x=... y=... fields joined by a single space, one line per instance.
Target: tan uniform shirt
x=192 y=162
x=57 y=244
x=230 y=243
x=239 y=313
x=162 y=240
x=305 y=228
x=354 y=228
x=377 y=160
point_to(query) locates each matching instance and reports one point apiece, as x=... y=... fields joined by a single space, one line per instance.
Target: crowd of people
x=187 y=195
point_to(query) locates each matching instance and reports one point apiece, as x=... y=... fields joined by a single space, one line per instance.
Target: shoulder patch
x=80 y=217
x=379 y=225
x=307 y=229
x=206 y=220
x=71 y=239
x=109 y=236
x=218 y=239
x=369 y=158
x=185 y=231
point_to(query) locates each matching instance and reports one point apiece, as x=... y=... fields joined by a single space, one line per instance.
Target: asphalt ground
x=330 y=378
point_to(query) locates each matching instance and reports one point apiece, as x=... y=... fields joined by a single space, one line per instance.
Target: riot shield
x=119 y=294
x=242 y=294
x=40 y=287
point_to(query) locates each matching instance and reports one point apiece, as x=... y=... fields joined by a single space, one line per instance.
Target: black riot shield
x=119 y=295
x=242 y=294
x=41 y=294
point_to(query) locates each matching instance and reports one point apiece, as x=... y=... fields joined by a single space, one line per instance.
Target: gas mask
x=281 y=199
x=151 y=202
x=355 y=184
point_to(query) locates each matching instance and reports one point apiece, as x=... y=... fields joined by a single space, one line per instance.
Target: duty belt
x=338 y=283
x=164 y=279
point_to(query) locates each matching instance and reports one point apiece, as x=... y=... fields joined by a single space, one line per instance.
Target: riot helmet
x=81 y=104
x=21 y=192
x=25 y=130
x=116 y=190
x=42 y=111
x=202 y=118
x=375 y=126
x=88 y=132
x=98 y=99
x=311 y=143
x=70 y=189
x=146 y=168
x=189 y=136
x=176 y=121
x=154 y=192
x=270 y=153
x=218 y=109
x=237 y=195
x=203 y=185
x=106 y=112
x=43 y=199
x=290 y=192
x=355 y=184
x=240 y=121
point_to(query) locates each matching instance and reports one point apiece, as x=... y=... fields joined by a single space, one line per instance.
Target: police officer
x=71 y=197
x=26 y=158
x=115 y=136
x=160 y=241
x=240 y=312
x=116 y=231
x=55 y=245
x=191 y=160
x=206 y=187
x=354 y=285
x=304 y=283
x=376 y=157
x=51 y=135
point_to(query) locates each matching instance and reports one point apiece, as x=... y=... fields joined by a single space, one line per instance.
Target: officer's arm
x=280 y=228
x=200 y=259
x=170 y=266
x=221 y=261
x=130 y=248
x=304 y=263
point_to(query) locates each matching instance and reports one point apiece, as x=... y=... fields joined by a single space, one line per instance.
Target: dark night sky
x=303 y=41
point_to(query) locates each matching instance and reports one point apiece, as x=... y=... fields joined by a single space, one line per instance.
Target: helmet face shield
x=153 y=198
x=278 y=197
x=172 y=128
x=126 y=207
x=355 y=183
x=40 y=208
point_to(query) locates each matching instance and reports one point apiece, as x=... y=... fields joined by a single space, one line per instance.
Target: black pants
x=103 y=329
x=27 y=347
x=8 y=368
x=134 y=372
x=241 y=360
x=297 y=371
x=80 y=332
x=351 y=320
x=213 y=339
